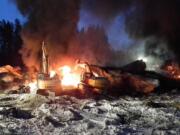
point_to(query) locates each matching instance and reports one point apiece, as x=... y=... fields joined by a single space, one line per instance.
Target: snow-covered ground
x=39 y=115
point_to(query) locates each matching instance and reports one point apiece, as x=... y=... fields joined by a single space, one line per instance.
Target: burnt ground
x=39 y=115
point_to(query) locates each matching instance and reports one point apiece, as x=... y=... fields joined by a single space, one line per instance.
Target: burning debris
x=108 y=91
x=9 y=69
x=84 y=78
x=173 y=69
x=45 y=80
x=64 y=78
x=10 y=78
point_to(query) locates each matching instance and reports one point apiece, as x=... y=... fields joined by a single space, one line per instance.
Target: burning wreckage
x=50 y=80
x=85 y=79
x=91 y=101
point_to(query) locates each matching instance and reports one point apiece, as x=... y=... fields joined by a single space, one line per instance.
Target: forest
x=10 y=43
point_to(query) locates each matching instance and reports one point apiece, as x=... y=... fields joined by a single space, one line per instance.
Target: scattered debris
x=33 y=114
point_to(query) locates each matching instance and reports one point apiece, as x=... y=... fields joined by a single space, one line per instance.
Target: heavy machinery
x=44 y=81
x=89 y=81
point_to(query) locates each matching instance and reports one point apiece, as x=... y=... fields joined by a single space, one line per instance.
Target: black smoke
x=92 y=45
x=106 y=10
x=144 y=19
x=52 y=21
x=159 y=19
x=55 y=21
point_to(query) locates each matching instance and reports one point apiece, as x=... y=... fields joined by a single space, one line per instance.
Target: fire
x=173 y=69
x=69 y=78
x=65 y=70
x=33 y=87
x=52 y=73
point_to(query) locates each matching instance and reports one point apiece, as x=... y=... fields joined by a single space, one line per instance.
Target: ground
x=38 y=115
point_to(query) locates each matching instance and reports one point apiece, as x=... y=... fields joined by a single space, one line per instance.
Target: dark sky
x=8 y=11
x=148 y=24
x=118 y=38
x=117 y=35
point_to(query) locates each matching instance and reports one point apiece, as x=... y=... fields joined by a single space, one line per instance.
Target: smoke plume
x=52 y=21
x=159 y=19
x=55 y=22
x=106 y=10
x=92 y=45
x=144 y=19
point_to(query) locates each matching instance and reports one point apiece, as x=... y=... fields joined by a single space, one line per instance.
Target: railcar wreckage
x=83 y=79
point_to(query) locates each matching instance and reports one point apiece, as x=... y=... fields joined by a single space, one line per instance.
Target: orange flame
x=33 y=87
x=69 y=78
x=52 y=73
x=174 y=71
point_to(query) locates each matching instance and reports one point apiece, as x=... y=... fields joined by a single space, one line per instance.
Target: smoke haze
x=55 y=21
x=144 y=19
x=52 y=21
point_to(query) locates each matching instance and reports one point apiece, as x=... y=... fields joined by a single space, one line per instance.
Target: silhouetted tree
x=10 y=43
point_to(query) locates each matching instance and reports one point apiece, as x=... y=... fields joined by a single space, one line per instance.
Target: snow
x=40 y=115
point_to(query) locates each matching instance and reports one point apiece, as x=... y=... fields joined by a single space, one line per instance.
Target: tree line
x=10 y=43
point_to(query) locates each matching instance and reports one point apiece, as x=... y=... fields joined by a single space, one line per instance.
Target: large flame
x=174 y=71
x=52 y=73
x=69 y=78
x=33 y=87
x=172 y=68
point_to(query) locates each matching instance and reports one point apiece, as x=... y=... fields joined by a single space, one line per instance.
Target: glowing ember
x=95 y=74
x=173 y=69
x=69 y=78
x=52 y=73
x=65 y=70
x=33 y=87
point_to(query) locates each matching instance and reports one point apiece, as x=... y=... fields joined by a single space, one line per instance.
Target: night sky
x=120 y=22
x=118 y=38
x=8 y=11
x=137 y=29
